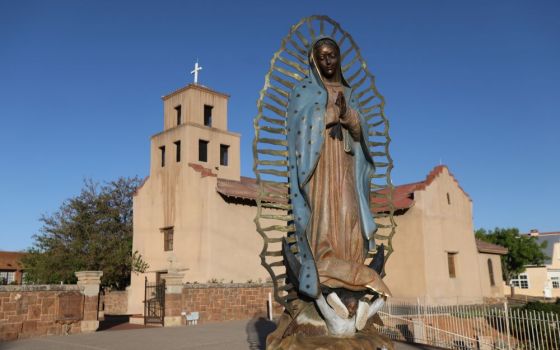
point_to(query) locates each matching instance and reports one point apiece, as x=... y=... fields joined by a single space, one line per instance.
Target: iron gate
x=154 y=302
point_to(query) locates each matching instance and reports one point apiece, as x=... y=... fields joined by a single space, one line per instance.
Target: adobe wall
x=213 y=239
x=226 y=302
x=495 y=292
x=405 y=269
x=448 y=229
x=28 y=311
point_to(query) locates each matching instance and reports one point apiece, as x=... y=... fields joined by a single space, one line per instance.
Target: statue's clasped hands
x=341 y=103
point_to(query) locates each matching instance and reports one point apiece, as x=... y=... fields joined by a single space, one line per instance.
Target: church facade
x=194 y=214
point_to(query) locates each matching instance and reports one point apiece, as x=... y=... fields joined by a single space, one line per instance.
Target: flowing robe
x=332 y=240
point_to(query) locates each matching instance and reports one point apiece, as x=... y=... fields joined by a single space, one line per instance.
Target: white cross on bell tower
x=195 y=71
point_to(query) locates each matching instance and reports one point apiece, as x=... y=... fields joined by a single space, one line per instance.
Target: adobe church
x=194 y=214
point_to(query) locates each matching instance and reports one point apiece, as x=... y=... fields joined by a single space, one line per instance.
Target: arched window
x=491 y=272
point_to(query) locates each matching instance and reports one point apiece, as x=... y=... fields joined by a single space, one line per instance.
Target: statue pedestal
x=308 y=331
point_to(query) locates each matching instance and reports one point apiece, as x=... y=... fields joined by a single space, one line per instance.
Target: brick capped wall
x=27 y=311
x=115 y=302
x=226 y=302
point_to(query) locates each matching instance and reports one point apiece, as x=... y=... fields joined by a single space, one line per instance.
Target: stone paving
x=233 y=335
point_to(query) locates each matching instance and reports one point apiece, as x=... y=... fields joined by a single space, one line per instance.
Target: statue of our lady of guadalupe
x=329 y=169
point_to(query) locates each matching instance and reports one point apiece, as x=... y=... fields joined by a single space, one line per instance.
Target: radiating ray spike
x=334 y=30
x=298 y=47
x=311 y=30
x=273 y=162
x=272 y=130
x=288 y=73
x=279 y=91
x=321 y=27
x=380 y=164
x=360 y=94
x=281 y=122
x=278 y=111
x=366 y=101
x=292 y=64
x=341 y=41
x=272 y=152
x=279 y=228
x=273 y=172
x=354 y=76
x=378 y=154
x=370 y=116
x=297 y=56
x=286 y=287
x=284 y=82
x=376 y=133
x=302 y=38
x=359 y=83
x=370 y=109
x=273 y=253
x=270 y=141
x=277 y=263
x=345 y=54
x=275 y=184
x=276 y=206
x=349 y=65
x=278 y=217
x=276 y=99
x=376 y=124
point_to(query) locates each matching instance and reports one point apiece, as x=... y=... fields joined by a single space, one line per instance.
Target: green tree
x=92 y=231
x=523 y=250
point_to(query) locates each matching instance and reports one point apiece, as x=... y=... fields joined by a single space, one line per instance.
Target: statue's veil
x=270 y=146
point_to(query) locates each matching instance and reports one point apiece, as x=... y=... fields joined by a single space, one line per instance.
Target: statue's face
x=327 y=59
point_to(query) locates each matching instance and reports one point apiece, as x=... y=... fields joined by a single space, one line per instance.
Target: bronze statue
x=330 y=228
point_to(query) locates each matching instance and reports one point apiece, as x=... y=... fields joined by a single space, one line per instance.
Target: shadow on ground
x=258 y=328
x=118 y=322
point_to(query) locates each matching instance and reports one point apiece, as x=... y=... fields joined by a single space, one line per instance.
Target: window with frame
x=178 y=114
x=202 y=150
x=555 y=282
x=491 y=272
x=7 y=277
x=208 y=115
x=521 y=281
x=224 y=155
x=451 y=264
x=167 y=239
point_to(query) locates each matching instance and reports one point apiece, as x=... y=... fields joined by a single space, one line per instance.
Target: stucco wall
x=448 y=229
x=425 y=234
x=192 y=101
x=488 y=291
x=405 y=269
x=213 y=239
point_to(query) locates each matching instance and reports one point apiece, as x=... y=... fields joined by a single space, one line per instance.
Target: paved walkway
x=233 y=335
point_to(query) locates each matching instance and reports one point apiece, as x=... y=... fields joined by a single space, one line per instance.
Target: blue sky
x=473 y=84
